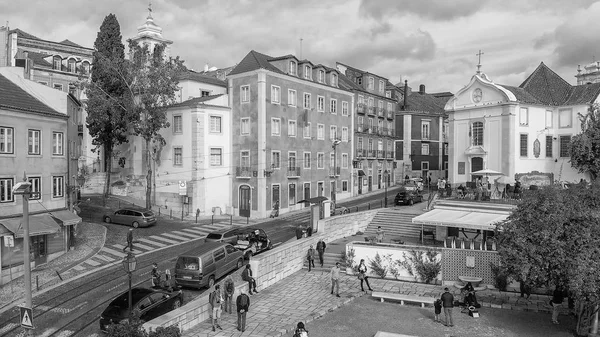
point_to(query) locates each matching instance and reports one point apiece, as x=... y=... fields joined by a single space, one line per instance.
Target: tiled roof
x=522 y=95
x=288 y=56
x=345 y=83
x=254 y=61
x=426 y=103
x=23 y=34
x=37 y=58
x=196 y=100
x=583 y=94
x=70 y=43
x=13 y=97
x=547 y=86
x=194 y=76
x=442 y=94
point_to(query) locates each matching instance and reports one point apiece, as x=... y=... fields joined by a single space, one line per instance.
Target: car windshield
x=148 y=214
x=214 y=236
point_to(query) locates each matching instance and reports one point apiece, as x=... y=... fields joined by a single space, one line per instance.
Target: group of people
x=446 y=302
x=310 y=255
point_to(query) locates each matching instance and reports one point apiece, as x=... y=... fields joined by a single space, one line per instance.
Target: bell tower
x=151 y=34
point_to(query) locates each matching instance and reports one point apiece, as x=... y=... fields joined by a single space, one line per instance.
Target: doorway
x=245 y=194
x=320 y=189
x=370 y=184
x=360 y=183
x=306 y=193
x=276 y=194
x=38 y=247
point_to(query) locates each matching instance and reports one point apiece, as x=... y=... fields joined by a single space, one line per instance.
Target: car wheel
x=270 y=246
x=176 y=304
x=107 y=219
x=135 y=224
x=211 y=282
x=239 y=264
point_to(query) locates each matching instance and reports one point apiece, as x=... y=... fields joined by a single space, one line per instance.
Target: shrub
x=378 y=266
x=421 y=264
x=348 y=257
x=392 y=265
x=500 y=276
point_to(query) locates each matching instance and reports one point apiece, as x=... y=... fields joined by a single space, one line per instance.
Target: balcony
x=389 y=154
x=374 y=129
x=293 y=172
x=371 y=153
x=380 y=154
x=391 y=132
x=361 y=153
x=360 y=108
x=390 y=114
x=243 y=172
x=371 y=111
x=80 y=129
x=381 y=112
x=383 y=131
x=334 y=171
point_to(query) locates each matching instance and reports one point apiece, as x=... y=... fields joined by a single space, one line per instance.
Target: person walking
x=379 y=234
x=155 y=276
x=216 y=299
x=247 y=276
x=321 y=250
x=335 y=279
x=242 y=305
x=557 y=299
x=229 y=290
x=448 y=304
x=362 y=275
x=129 y=240
x=300 y=330
x=310 y=256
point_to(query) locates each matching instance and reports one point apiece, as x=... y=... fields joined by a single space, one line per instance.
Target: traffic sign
x=26 y=317
x=9 y=241
x=182 y=187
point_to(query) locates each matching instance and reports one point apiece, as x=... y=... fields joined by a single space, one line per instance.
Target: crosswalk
x=111 y=253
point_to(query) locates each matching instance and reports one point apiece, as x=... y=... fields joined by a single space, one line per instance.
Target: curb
x=90 y=255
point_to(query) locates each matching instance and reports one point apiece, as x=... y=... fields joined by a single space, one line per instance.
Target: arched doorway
x=244 y=202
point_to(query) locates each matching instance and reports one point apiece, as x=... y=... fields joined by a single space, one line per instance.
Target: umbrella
x=416 y=179
x=487 y=172
x=504 y=180
x=313 y=200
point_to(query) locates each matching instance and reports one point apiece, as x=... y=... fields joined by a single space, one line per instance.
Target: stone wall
x=269 y=267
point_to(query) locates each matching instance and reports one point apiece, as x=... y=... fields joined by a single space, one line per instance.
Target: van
x=202 y=266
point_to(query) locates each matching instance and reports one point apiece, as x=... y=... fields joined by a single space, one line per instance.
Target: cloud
x=433 y=9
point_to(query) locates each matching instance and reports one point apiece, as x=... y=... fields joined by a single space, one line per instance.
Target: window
x=389 y=107
x=306 y=160
x=565 y=142
x=56 y=63
x=359 y=80
x=345 y=109
x=292 y=128
x=33 y=142
x=43 y=82
x=424 y=165
x=332 y=132
x=204 y=93
x=548 y=119
x=306 y=100
x=321 y=76
x=275 y=126
x=177 y=156
x=292 y=160
x=333 y=106
x=57 y=143
x=36 y=188
x=320 y=131
x=361 y=121
x=291 y=97
x=425 y=130
x=245 y=126
x=6 y=185
x=58 y=86
x=292 y=68
x=446 y=149
x=334 y=80
x=216 y=156
x=344 y=160
x=523 y=145
x=245 y=159
x=177 y=124
x=332 y=160
x=306 y=130
x=564 y=118
x=380 y=105
x=86 y=67
x=275 y=94
x=215 y=124
x=57 y=186
x=548 y=146
x=6 y=139
x=524 y=117
x=344 y=134
x=477 y=131
x=370 y=125
x=245 y=93
x=371 y=102
x=381 y=86
x=425 y=149
x=307 y=72
x=292 y=194
x=320 y=103
x=371 y=83
x=359 y=144
x=388 y=94
x=344 y=185
x=320 y=160
x=71 y=65
x=370 y=144
x=276 y=159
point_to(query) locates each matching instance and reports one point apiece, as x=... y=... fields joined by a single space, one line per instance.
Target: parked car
x=335 y=209
x=408 y=195
x=225 y=235
x=148 y=303
x=203 y=266
x=252 y=241
x=136 y=217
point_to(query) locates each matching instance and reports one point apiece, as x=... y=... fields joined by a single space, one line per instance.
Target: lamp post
x=334 y=145
x=385 y=177
x=129 y=264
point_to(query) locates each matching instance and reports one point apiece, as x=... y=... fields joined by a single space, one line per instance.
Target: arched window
x=57 y=63
x=86 y=67
x=71 y=65
x=477 y=130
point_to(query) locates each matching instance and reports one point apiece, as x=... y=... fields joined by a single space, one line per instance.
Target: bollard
x=159 y=211
x=196 y=217
x=171 y=214
x=369 y=204
x=212 y=219
x=230 y=220
x=37 y=282
x=247 y=219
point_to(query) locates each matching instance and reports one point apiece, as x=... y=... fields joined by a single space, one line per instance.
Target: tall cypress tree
x=107 y=94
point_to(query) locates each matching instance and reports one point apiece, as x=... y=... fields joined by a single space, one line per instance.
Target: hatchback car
x=408 y=195
x=135 y=217
x=226 y=235
x=145 y=302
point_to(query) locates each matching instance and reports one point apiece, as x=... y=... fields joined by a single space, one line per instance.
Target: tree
x=585 y=147
x=107 y=119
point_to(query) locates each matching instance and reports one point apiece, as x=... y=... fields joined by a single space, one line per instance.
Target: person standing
x=448 y=304
x=321 y=250
x=379 y=234
x=310 y=256
x=300 y=330
x=557 y=299
x=362 y=275
x=155 y=276
x=129 y=240
x=299 y=232
x=242 y=305
x=247 y=276
x=229 y=290
x=216 y=299
x=437 y=305
x=335 y=279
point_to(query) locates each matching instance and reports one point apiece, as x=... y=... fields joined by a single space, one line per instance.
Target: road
x=73 y=309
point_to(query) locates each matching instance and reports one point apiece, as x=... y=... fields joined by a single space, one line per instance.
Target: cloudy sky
x=431 y=42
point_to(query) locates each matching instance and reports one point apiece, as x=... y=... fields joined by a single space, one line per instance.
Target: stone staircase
x=397 y=224
x=329 y=260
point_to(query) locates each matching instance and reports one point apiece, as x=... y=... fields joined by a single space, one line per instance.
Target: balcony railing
x=371 y=153
x=361 y=152
x=381 y=112
x=389 y=154
x=334 y=171
x=391 y=132
x=243 y=172
x=360 y=108
x=371 y=111
x=390 y=114
x=380 y=154
x=374 y=129
x=293 y=172
x=383 y=131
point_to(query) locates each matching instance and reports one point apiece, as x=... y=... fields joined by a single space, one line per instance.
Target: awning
x=66 y=217
x=39 y=224
x=461 y=219
x=361 y=173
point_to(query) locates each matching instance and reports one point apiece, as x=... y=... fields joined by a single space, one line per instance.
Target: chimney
x=206 y=67
x=422 y=89
x=405 y=105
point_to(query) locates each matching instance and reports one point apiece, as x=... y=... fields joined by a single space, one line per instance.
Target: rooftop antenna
x=479 y=63
x=301 y=39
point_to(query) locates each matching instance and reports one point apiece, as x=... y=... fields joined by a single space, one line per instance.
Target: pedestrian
x=429 y=180
x=437 y=305
x=216 y=299
x=167 y=283
x=321 y=245
x=380 y=234
x=335 y=279
x=557 y=299
x=229 y=290
x=155 y=276
x=300 y=330
x=299 y=232
x=242 y=304
x=448 y=304
x=310 y=256
x=362 y=275
x=247 y=276
x=129 y=240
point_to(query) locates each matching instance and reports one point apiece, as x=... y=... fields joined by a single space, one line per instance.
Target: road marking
x=184 y=234
x=160 y=238
x=115 y=287
x=113 y=252
x=79 y=267
x=196 y=231
x=176 y=237
x=150 y=242
x=120 y=247
x=92 y=262
x=104 y=258
x=8 y=327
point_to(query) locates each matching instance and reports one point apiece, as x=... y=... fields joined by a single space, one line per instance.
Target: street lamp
x=129 y=263
x=385 y=177
x=334 y=145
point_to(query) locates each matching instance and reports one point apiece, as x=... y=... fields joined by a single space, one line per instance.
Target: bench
x=389 y=334
x=403 y=298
